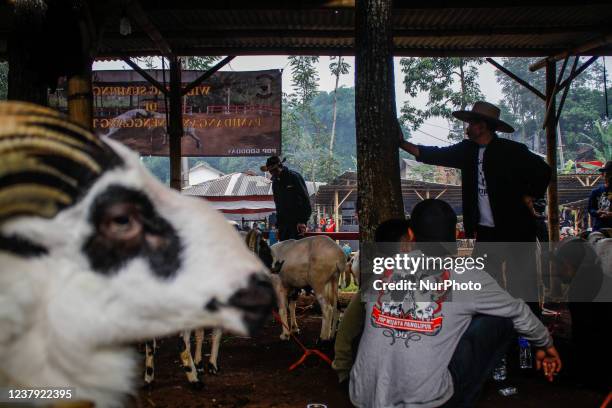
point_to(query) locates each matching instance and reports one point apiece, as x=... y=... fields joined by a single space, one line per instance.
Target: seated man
x=436 y=348
x=351 y=325
x=589 y=295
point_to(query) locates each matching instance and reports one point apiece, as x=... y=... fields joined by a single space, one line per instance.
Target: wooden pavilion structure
x=46 y=39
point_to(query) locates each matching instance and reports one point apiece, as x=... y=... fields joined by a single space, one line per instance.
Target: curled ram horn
x=47 y=161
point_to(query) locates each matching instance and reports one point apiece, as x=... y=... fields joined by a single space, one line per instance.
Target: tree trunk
x=25 y=79
x=378 y=173
x=333 y=131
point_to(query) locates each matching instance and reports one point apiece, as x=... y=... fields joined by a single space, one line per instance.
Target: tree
x=201 y=63
x=337 y=67
x=158 y=166
x=583 y=107
x=451 y=83
x=600 y=140
x=304 y=80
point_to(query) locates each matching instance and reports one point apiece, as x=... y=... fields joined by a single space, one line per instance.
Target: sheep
x=96 y=254
x=193 y=365
x=314 y=262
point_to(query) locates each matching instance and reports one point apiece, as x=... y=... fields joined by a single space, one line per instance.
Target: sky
x=433 y=132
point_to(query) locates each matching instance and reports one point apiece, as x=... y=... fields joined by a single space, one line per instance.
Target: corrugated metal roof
x=528 y=27
x=234 y=184
x=432 y=28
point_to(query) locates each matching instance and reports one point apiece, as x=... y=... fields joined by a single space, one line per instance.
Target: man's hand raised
x=549 y=361
x=406 y=145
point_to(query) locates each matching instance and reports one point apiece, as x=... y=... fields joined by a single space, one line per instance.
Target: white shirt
x=484 y=206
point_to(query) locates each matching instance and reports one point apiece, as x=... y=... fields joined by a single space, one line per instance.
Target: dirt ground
x=254 y=373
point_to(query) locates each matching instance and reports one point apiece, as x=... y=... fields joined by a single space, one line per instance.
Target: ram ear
x=46 y=161
x=276 y=268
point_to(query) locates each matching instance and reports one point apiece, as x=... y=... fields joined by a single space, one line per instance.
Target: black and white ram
x=95 y=254
x=193 y=363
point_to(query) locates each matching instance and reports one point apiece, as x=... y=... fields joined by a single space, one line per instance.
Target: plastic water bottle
x=508 y=391
x=500 y=372
x=525 y=360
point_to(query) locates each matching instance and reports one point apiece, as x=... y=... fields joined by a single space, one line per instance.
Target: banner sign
x=229 y=114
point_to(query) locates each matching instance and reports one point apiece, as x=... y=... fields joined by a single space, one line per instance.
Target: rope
x=607 y=400
x=307 y=351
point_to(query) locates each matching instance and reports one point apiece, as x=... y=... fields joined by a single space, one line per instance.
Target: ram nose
x=255 y=301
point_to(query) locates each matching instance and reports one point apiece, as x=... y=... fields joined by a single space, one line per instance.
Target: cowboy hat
x=487 y=112
x=272 y=162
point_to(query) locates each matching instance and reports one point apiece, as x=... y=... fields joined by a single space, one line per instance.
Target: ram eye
x=121 y=222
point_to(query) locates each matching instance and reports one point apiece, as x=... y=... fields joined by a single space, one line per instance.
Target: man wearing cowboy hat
x=290 y=197
x=500 y=179
x=600 y=198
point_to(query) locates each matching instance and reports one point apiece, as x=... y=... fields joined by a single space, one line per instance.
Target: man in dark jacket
x=599 y=200
x=291 y=199
x=500 y=179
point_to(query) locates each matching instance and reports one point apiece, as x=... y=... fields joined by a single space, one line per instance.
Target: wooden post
x=80 y=98
x=336 y=211
x=175 y=127
x=25 y=76
x=378 y=172
x=551 y=153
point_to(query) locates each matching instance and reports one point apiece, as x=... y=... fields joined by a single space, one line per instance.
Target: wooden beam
x=345 y=49
x=581 y=49
x=175 y=125
x=140 y=16
x=562 y=102
x=348 y=32
x=578 y=72
x=551 y=155
x=146 y=75
x=516 y=78
x=207 y=74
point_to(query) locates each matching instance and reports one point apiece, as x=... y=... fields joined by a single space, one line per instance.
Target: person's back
x=408 y=354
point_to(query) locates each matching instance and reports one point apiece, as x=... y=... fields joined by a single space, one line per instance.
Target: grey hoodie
x=407 y=345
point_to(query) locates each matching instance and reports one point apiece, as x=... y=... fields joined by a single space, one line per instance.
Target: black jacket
x=291 y=198
x=511 y=172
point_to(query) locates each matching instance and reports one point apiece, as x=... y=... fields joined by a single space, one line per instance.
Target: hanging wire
x=605 y=86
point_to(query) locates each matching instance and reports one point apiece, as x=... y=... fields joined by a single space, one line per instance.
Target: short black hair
x=391 y=230
x=433 y=221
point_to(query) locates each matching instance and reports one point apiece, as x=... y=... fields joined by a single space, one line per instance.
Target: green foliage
x=159 y=166
x=3 y=80
x=339 y=66
x=451 y=84
x=600 y=140
x=584 y=106
x=304 y=80
x=201 y=63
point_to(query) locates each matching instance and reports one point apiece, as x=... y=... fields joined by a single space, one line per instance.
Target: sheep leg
x=149 y=362
x=187 y=361
x=294 y=326
x=213 y=366
x=325 y=317
x=197 y=359
x=282 y=311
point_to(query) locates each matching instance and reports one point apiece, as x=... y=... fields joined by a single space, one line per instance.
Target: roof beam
x=139 y=15
x=581 y=49
x=146 y=75
x=516 y=78
x=349 y=32
x=207 y=74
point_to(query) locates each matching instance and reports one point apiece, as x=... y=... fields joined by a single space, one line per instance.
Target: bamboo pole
x=80 y=98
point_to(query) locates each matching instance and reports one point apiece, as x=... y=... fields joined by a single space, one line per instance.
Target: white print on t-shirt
x=484 y=206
